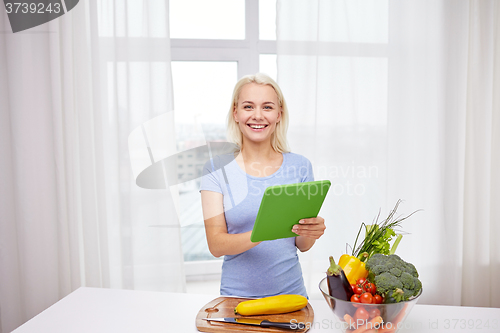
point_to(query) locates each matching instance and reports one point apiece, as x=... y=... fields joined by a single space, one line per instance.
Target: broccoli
x=396 y=279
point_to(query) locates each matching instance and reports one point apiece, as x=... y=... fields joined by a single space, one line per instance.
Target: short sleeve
x=308 y=175
x=209 y=179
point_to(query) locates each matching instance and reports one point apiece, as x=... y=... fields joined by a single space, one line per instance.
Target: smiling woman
x=232 y=188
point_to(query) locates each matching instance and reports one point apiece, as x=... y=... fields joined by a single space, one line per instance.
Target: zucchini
x=271 y=305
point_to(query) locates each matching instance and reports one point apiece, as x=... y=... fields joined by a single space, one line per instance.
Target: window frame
x=245 y=52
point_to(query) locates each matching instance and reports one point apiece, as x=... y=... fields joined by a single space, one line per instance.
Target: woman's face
x=257 y=112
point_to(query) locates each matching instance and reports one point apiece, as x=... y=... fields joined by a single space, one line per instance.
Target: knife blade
x=258 y=322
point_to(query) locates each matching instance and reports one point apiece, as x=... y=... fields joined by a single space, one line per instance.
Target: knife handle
x=290 y=326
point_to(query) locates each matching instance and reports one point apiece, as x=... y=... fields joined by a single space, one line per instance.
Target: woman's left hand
x=310 y=228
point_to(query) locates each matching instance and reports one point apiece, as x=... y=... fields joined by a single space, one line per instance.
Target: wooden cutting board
x=224 y=307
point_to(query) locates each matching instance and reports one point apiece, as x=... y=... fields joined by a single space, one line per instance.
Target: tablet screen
x=282 y=206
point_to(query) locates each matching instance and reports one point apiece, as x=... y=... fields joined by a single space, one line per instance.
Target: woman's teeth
x=257 y=126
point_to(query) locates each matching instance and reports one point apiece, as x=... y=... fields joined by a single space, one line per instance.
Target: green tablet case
x=282 y=206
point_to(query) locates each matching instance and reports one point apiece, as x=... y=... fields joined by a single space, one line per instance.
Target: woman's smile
x=258 y=127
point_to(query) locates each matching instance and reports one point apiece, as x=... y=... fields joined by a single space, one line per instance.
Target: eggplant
x=338 y=285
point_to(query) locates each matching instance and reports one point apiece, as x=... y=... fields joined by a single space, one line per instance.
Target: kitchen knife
x=258 y=322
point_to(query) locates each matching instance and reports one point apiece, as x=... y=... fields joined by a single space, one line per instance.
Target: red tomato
x=374 y=312
x=355 y=298
x=378 y=299
x=357 y=290
x=366 y=298
x=361 y=314
x=361 y=281
x=370 y=288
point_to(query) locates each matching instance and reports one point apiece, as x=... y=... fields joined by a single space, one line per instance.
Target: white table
x=109 y=310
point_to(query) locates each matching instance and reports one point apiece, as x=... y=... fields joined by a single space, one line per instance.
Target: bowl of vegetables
x=372 y=290
x=354 y=317
x=379 y=303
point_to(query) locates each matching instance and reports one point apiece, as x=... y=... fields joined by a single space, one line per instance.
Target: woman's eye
x=247 y=107
x=268 y=107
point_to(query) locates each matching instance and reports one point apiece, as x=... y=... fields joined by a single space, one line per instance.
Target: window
x=208 y=57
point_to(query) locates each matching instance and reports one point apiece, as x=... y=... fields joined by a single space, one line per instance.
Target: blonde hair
x=278 y=138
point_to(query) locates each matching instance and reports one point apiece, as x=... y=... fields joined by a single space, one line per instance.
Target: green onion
x=378 y=235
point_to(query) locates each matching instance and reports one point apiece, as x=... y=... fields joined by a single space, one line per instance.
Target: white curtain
x=71 y=92
x=400 y=100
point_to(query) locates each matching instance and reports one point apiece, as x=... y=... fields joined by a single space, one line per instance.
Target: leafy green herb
x=379 y=235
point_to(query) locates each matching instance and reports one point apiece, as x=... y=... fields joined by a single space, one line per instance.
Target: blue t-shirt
x=272 y=267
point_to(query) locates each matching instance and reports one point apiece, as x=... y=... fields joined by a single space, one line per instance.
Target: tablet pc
x=282 y=206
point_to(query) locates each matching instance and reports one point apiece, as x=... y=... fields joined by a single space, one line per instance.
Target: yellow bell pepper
x=354 y=268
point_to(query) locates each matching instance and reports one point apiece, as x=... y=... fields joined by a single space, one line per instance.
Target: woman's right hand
x=220 y=242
